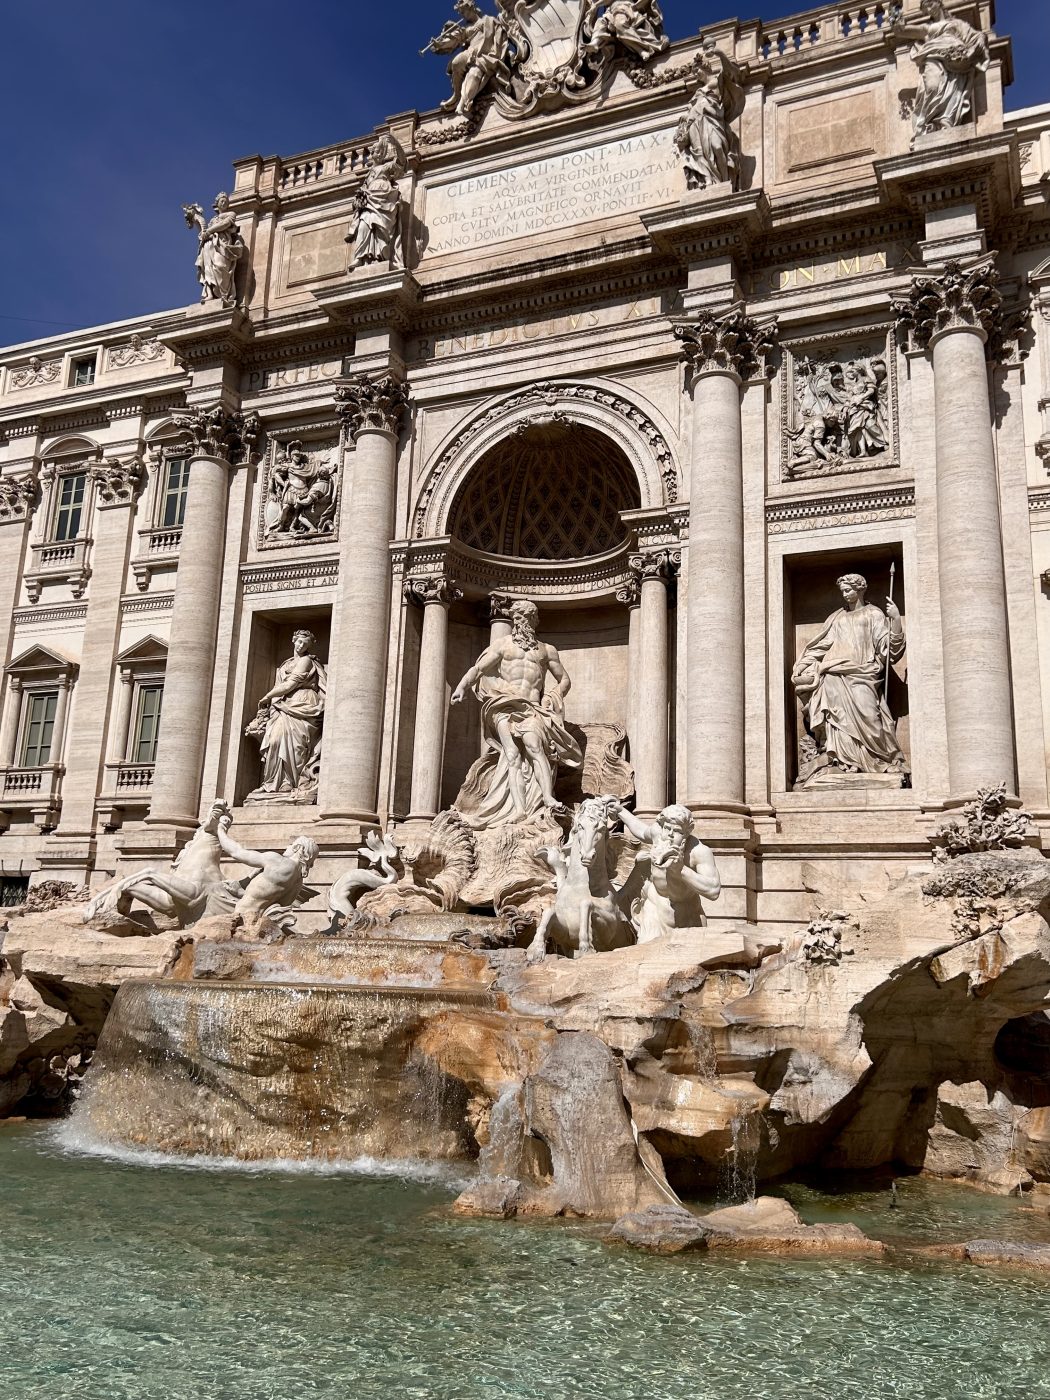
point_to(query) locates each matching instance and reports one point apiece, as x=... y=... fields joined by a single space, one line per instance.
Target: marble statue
x=673 y=872
x=586 y=916
x=222 y=253
x=193 y=886
x=525 y=736
x=279 y=885
x=705 y=135
x=381 y=854
x=376 y=228
x=636 y=24
x=840 y=679
x=288 y=726
x=480 y=45
x=948 y=54
x=300 y=495
x=841 y=413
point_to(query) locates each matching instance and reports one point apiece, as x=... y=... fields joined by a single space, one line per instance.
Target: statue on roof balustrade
x=949 y=53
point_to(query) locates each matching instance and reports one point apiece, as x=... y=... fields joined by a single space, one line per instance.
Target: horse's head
x=590 y=830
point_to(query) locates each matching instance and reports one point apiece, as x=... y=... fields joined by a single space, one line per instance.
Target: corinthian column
x=220 y=440
x=434 y=596
x=372 y=411
x=723 y=352
x=957 y=317
x=649 y=749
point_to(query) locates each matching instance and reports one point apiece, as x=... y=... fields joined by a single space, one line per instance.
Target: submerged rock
x=769 y=1225
x=661 y=1229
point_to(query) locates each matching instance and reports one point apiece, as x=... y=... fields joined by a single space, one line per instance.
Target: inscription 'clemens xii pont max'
x=595 y=183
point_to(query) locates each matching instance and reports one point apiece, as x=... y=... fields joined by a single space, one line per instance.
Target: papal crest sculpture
x=540 y=54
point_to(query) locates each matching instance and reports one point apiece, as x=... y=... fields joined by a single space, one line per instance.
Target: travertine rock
x=661 y=1229
x=768 y=1225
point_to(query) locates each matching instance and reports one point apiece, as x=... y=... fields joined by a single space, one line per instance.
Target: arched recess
x=605 y=409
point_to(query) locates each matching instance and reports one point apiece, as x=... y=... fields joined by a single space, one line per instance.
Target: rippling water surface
x=125 y=1280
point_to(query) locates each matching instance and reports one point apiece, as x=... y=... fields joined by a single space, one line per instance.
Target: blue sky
x=120 y=111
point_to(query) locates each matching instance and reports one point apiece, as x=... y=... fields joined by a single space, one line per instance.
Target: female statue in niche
x=705 y=135
x=376 y=230
x=288 y=726
x=948 y=54
x=840 y=679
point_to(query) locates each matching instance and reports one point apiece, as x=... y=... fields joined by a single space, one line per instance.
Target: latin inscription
x=580 y=319
x=599 y=182
x=284 y=376
x=834 y=268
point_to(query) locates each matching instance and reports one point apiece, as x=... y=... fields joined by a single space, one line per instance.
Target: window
x=83 y=372
x=69 y=512
x=147 y=724
x=176 y=484
x=39 y=728
x=13 y=890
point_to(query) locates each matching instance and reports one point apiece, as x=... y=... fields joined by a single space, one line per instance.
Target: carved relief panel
x=839 y=407
x=300 y=496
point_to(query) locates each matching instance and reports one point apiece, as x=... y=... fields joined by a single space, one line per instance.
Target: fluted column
x=220 y=440
x=349 y=790
x=434 y=596
x=723 y=353
x=655 y=572
x=957 y=317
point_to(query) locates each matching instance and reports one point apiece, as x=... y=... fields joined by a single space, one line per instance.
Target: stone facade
x=526 y=350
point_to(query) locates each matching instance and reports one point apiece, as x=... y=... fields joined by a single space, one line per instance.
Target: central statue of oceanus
x=523 y=724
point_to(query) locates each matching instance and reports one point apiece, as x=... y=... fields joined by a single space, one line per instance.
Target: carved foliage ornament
x=136 y=352
x=36 y=372
x=377 y=404
x=421 y=591
x=733 y=344
x=117 y=482
x=660 y=564
x=18 y=496
x=955 y=300
x=227 y=437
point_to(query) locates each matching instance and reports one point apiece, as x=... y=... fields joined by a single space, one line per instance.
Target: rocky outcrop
x=767 y=1225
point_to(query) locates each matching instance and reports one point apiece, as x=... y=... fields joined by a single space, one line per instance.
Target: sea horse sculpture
x=586 y=916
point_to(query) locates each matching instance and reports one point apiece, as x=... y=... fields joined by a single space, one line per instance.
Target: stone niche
x=811 y=596
x=271 y=646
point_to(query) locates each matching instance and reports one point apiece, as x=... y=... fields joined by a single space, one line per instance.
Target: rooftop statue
x=636 y=24
x=288 y=726
x=480 y=44
x=525 y=736
x=705 y=135
x=222 y=257
x=376 y=228
x=840 y=679
x=948 y=53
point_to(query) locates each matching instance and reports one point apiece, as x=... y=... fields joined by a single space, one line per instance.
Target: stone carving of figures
x=636 y=24
x=221 y=253
x=376 y=230
x=37 y=371
x=673 y=872
x=482 y=42
x=948 y=55
x=841 y=413
x=840 y=678
x=301 y=495
x=705 y=135
x=526 y=740
x=288 y=726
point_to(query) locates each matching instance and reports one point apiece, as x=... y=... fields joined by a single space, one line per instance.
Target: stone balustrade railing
x=329 y=165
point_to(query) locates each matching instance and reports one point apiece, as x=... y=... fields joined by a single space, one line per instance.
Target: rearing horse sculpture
x=585 y=916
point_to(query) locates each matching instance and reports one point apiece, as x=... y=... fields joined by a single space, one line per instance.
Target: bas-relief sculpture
x=540 y=54
x=949 y=52
x=375 y=232
x=840 y=678
x=705 y=136
x=526 y=740
x=301 y=495
x=222 y=256
x=37 y=371
x=288 y=727
x=839 y=416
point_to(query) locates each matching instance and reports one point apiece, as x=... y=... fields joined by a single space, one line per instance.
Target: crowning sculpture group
x=534 y=55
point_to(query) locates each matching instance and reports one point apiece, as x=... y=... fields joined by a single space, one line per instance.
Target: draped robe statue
x=948 y=55
x=710 y=150
x=376 y=230
x=840 y=678
x=525 y=738
x=288 y=726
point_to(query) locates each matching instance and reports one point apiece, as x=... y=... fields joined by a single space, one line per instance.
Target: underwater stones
x=1009 y=1254
x=661 y=1229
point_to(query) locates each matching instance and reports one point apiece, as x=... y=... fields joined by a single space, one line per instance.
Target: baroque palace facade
x=688 y=344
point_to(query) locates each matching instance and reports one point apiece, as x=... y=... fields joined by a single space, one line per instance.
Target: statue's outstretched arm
x=256 y=859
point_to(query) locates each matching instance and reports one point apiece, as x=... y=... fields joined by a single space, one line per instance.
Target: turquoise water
x=124 y=1281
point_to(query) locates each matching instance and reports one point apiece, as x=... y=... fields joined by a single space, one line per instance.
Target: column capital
x=422 y=592
x=372 y=404
x=221 y=435
x=733 y=343
x=118 y=483
x=661 y=564
x=15 y=683
x=630 y=592
x=959 y=300
x=500 y=605
x=18 y=497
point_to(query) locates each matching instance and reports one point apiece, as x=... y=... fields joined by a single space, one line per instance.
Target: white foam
x=74 y=1140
